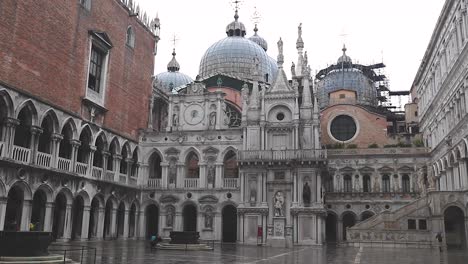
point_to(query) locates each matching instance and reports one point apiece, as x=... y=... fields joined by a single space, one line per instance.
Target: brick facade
x=45 y=52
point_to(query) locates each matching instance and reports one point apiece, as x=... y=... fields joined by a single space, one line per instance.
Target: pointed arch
x=126 y=150
x=69 y=124
x=84 y=194
x=48 y=191
x=86 y=139
x=192 y=161
x=67 y=193
x=114 y=147
x=50 y=113
x=2 y=189
x=231 y=169
x=155 y=168
x=6 y=104
x=101 y=146
x=25 y=188
x=31 y=108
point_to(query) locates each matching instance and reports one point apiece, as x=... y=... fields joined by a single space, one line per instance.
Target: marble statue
x=280 y=46
x=421 y=181
x=376 y=183
x=279 y=204
x=293 y=69
x=211 y=173
x=209 y=218
x=170 y=217
x=213 y=119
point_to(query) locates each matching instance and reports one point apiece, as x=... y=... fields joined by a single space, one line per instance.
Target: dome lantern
x=235 y=28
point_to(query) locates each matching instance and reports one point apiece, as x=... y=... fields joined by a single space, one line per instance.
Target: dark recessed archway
x=152 y=220
x=454 y=222
x=331 y=225
x=120 y=219
x=93 y=218
x=38 y=210
x=189 y=214
x=229 y=223
x=349 y=220
x=77 y=216
x=14 y=209
x=108 y=219
x=60 y=207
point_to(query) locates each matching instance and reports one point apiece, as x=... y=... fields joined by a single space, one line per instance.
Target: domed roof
x=235 y=56
x=259 y=40
x=173 y=78
x=344 y=58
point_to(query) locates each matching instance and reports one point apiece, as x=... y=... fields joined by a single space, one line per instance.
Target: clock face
x=194 y=114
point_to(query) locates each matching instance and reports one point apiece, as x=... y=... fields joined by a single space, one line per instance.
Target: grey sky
x=397 y=30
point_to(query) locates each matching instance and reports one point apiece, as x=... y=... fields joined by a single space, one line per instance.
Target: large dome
x=173 y=78
x=234 y=56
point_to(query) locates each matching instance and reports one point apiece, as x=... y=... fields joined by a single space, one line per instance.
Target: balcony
x=81 y=168
x=191 y=183
x=63 y=164
x=377 y=151
x=359 y=196
x=21 y=154
x=43 y=159
x=109 y=176
x=97 y=173
x=154 y=183
x=230 y=183
x=282 y=155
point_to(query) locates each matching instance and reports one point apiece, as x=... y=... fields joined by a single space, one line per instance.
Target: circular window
x=280 y=116
x=343 y=128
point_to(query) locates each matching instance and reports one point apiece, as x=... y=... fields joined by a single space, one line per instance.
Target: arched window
x=134 y=168
x=100 y=147
x=385 y=183
x=123 y=162
x=3 y=115
x=193 y=170
x=366 y=183
x=113 y=151
x=405 y=183
x=230 y=165
x=155 y=169
x=347 y=181
x=329 y=183
x=23 y=130
x=65 y=145
x=45 y=139
x=130 y=40
x=83 y=149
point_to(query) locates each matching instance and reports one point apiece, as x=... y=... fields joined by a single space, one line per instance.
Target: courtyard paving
x=137 y=252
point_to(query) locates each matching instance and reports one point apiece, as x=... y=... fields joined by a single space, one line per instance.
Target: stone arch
x=228 y=223
x=277 y=105
x=189 y=216
x=67 y=194
x=230 y=165
x=101 y=136
x=2 y=189
x=120 y=221
x=228 y=202
x=48 y=191
x=126 y=149
x=28 y=194
x=29 y=105
x=5 y=99
x=101 y=146
x=366 y=215
x=154 y=165
x=55 y=121
x=146 y=158
x=191 y=150
x=72 y=125
x=349 y=219
x=151 y=212
x=454 y=225
x=192 y=161
x=84 y=194
x=100 y=198
x=331 y=226
x=114 y=145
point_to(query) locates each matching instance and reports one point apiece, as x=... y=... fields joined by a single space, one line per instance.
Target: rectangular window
x=348 y=185
x=385 y=183
x=411 y=224
x=422 y=224
x=95 y=69
x=405 y=183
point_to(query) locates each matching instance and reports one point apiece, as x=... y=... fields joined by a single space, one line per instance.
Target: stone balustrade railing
x=282 y=155
x=21 y=154
x=377 y=151
x=43 y=159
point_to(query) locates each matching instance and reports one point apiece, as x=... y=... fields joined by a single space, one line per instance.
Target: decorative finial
x=256 y=18
x=255 y=30
x=174 y=41
x=344 y=49
x=236 y=8
x=173 y=52
x=299 y=30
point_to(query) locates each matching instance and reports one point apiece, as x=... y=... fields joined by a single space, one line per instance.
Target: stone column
x=242 y=187
x=105 y=160
x=100 y=223
x=178 y=222
x=319 y=187
x=202 y=179
x=48 y=216
x=3 y=205
x=67 y=229
x=264 y=192
x=180 y=175
x=35 y=133
x=75 y=145
x=141 y=230
x=92 y=149
x=126 y=225
x=56 y=139
x=85 y=223
x=8 y=136
x=464 y=174
x=165 y=175
x=219 y=178
x=129 y=169
x=295 y=188
x=339 y=230
x=26 y=215
x=456 y=177
x=113 y=226
x=259 y=188
x=117 y=159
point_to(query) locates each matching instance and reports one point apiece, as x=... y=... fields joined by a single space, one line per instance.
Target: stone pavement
x=137 y=252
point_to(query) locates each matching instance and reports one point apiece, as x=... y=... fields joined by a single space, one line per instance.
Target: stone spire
x=280 y=59
x=173 y=65
x=306 y=96
x=300 y=48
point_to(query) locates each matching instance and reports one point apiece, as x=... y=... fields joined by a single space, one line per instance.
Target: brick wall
x=372 y=127
x=44 y=50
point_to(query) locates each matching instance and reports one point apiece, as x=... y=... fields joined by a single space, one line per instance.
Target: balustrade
x=154 y=183
x=43 y=159
x=21 y=154
x=109 y=176
x=63 y=164
x=97 y=173
x=81 y=168
x=282 y=155
x=191 y=183
x=230 y=183
x=123 y=178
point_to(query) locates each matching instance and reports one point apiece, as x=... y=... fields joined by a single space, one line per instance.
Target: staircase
x=388 y=228
x=51 y=259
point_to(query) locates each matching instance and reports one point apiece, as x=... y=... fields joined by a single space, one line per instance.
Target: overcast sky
x=397 y=31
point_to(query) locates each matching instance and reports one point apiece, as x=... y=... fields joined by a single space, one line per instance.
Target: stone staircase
x=194 y=247
x=388 y=228
x=51 y=259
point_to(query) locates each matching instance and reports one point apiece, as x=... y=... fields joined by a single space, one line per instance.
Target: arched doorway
x=132 y=221
x=330 y=228
x=366 y=215
x=60 y=210
x=38 y=210
x=454 y=222
x=14 y=209
x=77 y=214
x=189 y=213
x=229 y=223
x=120 y=219
x=93 y=218
x=152 y=220
x=108 y=219
x=349 y=219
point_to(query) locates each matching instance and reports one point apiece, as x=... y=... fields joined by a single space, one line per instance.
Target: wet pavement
x=138 y=252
